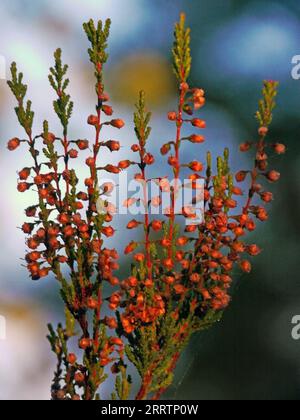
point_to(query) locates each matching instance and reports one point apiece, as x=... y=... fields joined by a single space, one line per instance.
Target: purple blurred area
x=236 y=44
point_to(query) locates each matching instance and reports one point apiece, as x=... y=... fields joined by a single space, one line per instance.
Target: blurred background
x=236 y=44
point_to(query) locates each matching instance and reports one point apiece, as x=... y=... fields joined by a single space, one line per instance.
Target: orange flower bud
x=111 y=323
x=89 y=182
x=135 y=148
x=107 y=110
x=166 y=243
x=195 y=278
x=196 y=122
x=149 y=283
x=92 y=303
x=170 y=280
x=241 y=176
x=63 y=218
x=130 y=248
x=168 y=263
x=273 y=176
x=104 y=97
x=238 y=231
x=93 y=120
x=267 y=197
x=73 y=154
x=230 y=203
x=117 y=123
x=139 y=258
x=184 y=86
x=68 y=231
x=124 y=164
x=116 y=342
x=149 y=159
x=182 y=241
x=27 y=228
x=108 y=187
x=245 y=147
x=82 y=144
x=237 y=191
x=263 y=131
x=156 y=225
x=90 y=161
x=13 y=144
x=197 y=139
x=172 y=116
x=108 y=231
x=179 y=289
x=133 y=224
x=191 y=228
x=254 y=250
x=72 y=359
x=49 y=138
x=112 y=169
x=24 y=174
x=113 y=146
x=196 y=166
x=173 y=161
x=279 y=148
x=165 y=149
x=85 y=343
x=133 y=281
x=246 y=266
x=79 y=378
x=23 y=186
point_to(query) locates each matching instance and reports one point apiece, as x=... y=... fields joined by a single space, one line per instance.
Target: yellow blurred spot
x=146 y=71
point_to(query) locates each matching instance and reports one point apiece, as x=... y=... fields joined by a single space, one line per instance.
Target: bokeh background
x=236 y=44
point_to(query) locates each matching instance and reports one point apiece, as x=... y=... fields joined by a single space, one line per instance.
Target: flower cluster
x=180 y=278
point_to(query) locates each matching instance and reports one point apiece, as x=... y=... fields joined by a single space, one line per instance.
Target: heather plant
x=181 y=274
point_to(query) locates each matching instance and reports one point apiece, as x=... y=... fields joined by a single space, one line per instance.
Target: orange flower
x=196 y=122
x=13 y=144
x=196 y=166
x=133 y=224
x=139 y=258
x=117 y=123
x=108 y=231
x=246 y=266
x=130 y=248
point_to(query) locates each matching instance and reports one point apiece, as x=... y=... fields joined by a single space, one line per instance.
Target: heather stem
x=174 y=191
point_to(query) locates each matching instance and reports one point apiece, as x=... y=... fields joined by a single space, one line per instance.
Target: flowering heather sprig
x=179 y=280
x=67 y=230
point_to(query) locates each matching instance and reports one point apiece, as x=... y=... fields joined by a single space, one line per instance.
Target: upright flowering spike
x=266 y=106
x=98 y=36
x=19 y=89
x=143 y=130
x=181 y=50
x=63 y=106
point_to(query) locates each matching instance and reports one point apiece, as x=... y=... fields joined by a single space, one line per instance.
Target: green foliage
x=63 y=106
x=19 y=89
x=123 y=384
x=267 y=104
x=98 y=38
x=202 y=324
x=142 y=119
x=182 y=51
